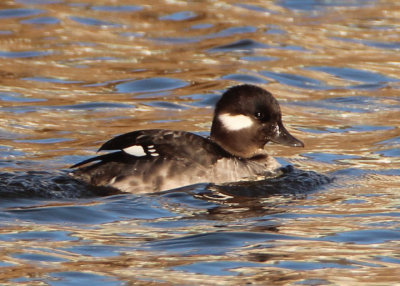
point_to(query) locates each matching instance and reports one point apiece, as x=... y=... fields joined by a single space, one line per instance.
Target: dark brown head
x=246 y=118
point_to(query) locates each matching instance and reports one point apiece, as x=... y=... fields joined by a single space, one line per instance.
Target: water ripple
x=155 y=84
x=24 y=54
x=19 y=13
x=93 y=22
x=295 y=80
x=370 y=79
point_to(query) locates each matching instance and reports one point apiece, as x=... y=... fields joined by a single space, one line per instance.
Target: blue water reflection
x=122 y=8
x=312 y=5
x=179 y=16
x=41 y=21
x=19 y=13
x=24 y=54
x=155 y=84
x=93 y=22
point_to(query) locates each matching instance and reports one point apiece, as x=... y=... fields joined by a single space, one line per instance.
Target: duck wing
x=153 y=143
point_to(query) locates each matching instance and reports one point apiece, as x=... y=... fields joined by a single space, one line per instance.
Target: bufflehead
x=245 y=119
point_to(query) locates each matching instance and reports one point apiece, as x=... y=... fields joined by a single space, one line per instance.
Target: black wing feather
x=104 y=157
x=140 y=137
x=178 y=145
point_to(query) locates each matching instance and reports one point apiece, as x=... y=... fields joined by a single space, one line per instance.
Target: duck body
x=245 y=119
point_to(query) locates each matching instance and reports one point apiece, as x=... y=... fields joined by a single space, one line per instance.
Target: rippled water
x=73 y=74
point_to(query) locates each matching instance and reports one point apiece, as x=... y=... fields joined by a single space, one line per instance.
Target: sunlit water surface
x=75 y=73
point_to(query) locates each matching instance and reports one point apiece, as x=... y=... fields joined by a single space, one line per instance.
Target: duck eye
x=259 y=115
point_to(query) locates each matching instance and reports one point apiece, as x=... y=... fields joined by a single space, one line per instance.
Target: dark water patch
x=353 y=202
x=186 y=197
x=275 y=30
x=165 y=121
x=6 y=32
x=241 y=45
x=179 y=16
x=315 y=5
x=132 y=34
x=95 y=106
x=166 y=105
x=291 y=48
x=39 y=236
x=6 y=264
x=39 y=2
x=204 y=100
x=24 y=54
x=352 y=104
x=383 y=45
x=88 y=211
x=119 y=9
x=304 y=265
x=360 y=173
x=8 y=153
x=369 y=236
x=81 y=278
x=245 y=45
x=37 y=184
x=358 y=128
x=390 y=153
x=388 y=259
x=258 y=58
x=232 y=31
x=51 y=80
x=136 y=207
x=44 y=141
x=295 y=80
x=350 y=74
x=93 y=22
x=245 y=78
x=369 y=86
x=19 y=13
x=213 y=243
x=201 y=26
x=292 y=181
x=38 y=258
x=395 y=46
x=95 y=250
x=346 y=129
x=329 y=157
x=391 y=141
x=154 y=84
x=104 y=83
x=313 y=282
x=17 y=97
x=316 y=130
x=41 y=21
x=68 y=214
x=256 y=8
x=216 y=268
x=177 y=40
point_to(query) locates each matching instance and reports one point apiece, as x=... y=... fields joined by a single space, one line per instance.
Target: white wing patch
x=135 y=150
x=152 y=151
x=235 y=122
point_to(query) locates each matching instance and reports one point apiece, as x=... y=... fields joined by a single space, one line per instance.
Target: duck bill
x=282 y=136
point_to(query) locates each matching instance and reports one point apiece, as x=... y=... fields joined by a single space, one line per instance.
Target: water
x=74 y=74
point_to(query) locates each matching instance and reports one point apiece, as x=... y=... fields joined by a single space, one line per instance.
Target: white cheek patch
x=235 y=122
x=135 y=150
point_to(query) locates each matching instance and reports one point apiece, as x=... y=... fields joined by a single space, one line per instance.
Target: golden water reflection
x=334 y=68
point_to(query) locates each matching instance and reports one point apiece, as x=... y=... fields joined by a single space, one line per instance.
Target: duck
x=246 y=118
